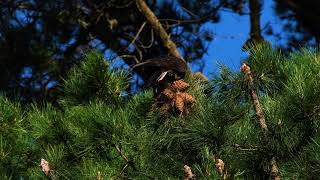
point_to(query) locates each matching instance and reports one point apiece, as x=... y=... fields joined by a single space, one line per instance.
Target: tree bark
x=262 y=121
x=255 y=100
x=259 y=113
x=255 y=13
x=156 y=25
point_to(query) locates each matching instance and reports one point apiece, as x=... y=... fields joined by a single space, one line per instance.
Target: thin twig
x=189 y=12
x=130 y=56
x=121 y=153
x=151 y=41
x=137 y=35
x=244 y=149
x=125 y=159
x=124 y=168
x=140 y=53
x=123 y=6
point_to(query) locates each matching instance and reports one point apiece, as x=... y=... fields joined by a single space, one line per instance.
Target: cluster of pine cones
x=174 y=97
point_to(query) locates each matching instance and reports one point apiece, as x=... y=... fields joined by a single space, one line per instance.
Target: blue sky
x=229 y=36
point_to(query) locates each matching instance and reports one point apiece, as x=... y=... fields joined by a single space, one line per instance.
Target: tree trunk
x=255 y=30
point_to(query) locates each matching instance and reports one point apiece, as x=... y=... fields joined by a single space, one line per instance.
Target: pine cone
x=182 y=99
x=179 y=102
x=179 y=85
x=188 y=98
x=168 y=93
x=173 y=97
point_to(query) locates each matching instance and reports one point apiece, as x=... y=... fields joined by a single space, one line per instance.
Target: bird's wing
x=162 y=75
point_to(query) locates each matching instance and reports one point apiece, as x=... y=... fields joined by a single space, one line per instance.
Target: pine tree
x=101 y=131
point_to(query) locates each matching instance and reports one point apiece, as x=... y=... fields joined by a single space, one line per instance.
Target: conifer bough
x=255 y=100
x=262 y=121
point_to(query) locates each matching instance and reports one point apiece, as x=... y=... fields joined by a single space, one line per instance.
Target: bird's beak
x=162 y=75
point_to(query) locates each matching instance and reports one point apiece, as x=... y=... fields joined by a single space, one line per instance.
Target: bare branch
x=130 y=56
x=156 y=25
x=151 y=42
x=137 y=35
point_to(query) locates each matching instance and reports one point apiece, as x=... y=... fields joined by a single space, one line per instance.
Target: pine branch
x=255 y=100
x=125 y=159
x=262 y=121
x=121 y=154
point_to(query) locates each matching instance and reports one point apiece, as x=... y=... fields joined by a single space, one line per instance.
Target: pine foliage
x=99 y=130
x=93 y=80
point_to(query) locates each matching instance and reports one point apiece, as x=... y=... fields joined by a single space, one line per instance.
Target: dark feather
x=166 y=63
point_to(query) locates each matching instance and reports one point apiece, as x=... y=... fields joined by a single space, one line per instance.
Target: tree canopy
x=259 y=123
x=41 y=40
x=99 y=132
x=300 y=22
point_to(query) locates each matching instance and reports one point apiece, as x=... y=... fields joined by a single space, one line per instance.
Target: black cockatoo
x=162 y=70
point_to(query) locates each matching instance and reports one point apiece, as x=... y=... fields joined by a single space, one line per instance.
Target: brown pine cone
x=182 y=99
x=179 y=85
x=168 y=93
x=179 y=101
x=188 y=98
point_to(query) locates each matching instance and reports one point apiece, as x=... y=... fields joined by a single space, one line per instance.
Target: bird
x=162 y=70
